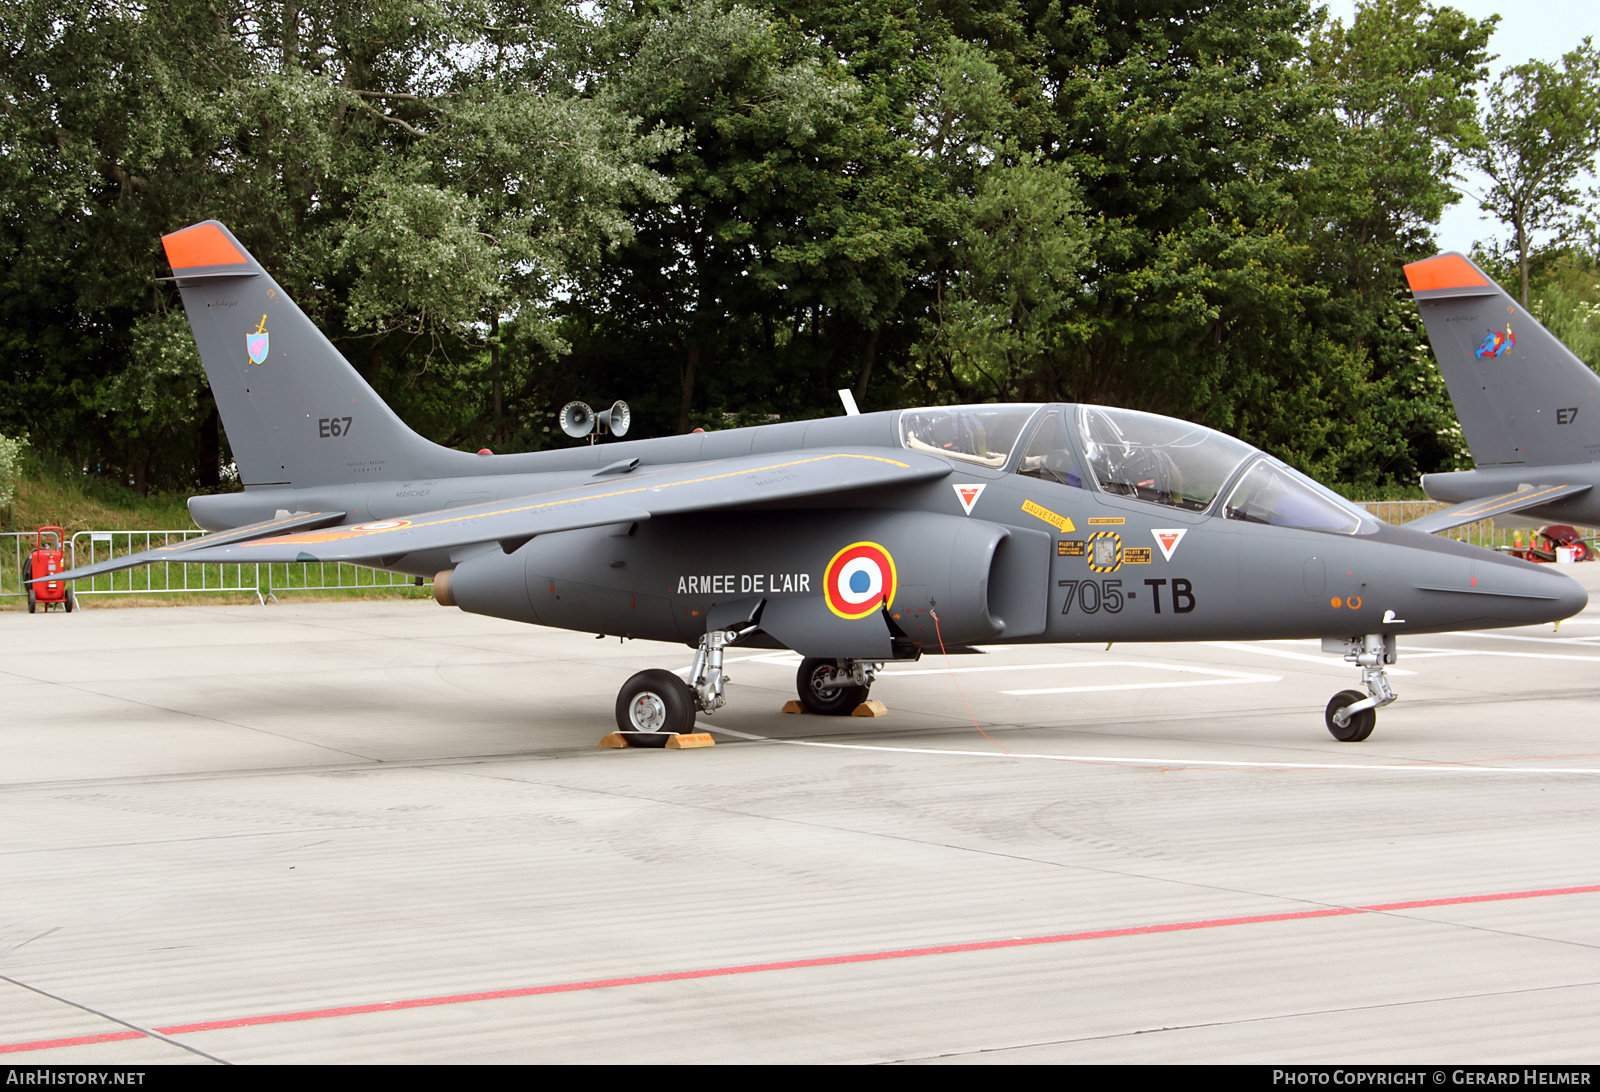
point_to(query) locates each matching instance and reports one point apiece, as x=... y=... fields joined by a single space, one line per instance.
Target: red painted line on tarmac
x=796 y=964
x=81 y=1040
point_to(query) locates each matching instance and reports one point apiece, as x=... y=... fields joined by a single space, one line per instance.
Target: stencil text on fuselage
x=743 y=583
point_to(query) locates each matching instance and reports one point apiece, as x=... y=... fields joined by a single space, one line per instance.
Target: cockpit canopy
x=976 y=434
x=1158 y=459
x=1127 y=453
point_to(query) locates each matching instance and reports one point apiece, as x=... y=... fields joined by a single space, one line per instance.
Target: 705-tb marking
x=1093 y=596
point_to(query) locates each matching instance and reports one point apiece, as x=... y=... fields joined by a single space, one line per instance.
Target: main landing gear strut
x=834 y=688
x=659 y=702
x=1351 y=717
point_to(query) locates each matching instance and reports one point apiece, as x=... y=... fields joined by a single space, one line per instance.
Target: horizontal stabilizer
x=1488 y=507
x=750 y=479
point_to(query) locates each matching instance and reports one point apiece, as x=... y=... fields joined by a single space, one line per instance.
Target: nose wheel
x=1350 y=715
x=1357 y=726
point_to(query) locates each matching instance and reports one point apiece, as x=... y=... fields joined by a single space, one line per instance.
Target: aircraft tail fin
x=1521 y=395
x=295 y=411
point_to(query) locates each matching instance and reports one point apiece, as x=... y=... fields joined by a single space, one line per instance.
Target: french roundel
x=860 y=580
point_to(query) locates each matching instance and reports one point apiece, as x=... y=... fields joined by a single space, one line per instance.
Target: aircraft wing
x=1485 y=507
x=180 y=551
x=615 y=498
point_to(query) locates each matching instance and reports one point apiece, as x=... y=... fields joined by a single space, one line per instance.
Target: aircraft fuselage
x=1032 y=561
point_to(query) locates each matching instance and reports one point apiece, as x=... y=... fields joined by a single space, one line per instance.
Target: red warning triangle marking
x=968 y=495
x=1168 y=539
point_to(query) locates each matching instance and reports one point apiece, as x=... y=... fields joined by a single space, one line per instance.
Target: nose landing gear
x=1349 y=716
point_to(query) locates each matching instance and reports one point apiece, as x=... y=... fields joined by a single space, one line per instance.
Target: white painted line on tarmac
x=1423 y=652
x=1222 y=678
x=779 y=659
x=1227 y=677
x=1166 y=763
x=726 y=661
x=1112 y=688
x=1325 y=659
x=1582 y=642
x=1023 y=667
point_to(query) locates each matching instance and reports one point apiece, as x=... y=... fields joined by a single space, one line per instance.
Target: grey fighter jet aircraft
x=1526 y=403
x=853 y=541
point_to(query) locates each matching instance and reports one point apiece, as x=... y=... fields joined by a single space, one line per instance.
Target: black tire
x=819 y=698
x=653 y=705
x=1359 y=726
x=70 y=601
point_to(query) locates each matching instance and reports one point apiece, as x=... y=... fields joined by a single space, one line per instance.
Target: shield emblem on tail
x=256 y=345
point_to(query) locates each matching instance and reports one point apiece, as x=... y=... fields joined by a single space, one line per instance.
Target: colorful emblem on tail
x=860 y=580
x=255 y=343
x=1497 y=344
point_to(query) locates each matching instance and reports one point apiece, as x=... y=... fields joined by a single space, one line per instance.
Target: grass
x=57 y=496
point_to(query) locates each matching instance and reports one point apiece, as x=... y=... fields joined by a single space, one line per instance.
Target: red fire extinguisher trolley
x=45 y=560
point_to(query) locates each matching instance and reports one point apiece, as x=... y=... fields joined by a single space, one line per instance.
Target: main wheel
x=655 y=702
x=1359 y=726
x=820 y=696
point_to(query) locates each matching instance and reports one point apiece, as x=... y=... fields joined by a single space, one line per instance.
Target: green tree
x=412 y=173
x=1400 y=81
x=10 y=464
x=764 y=280
x=1014 y=242
x=1541 y=135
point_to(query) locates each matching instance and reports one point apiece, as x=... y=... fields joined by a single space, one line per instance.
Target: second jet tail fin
x=295 y=411
x=1521 y=395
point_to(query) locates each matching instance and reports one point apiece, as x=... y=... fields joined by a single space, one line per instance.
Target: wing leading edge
x=752 y=479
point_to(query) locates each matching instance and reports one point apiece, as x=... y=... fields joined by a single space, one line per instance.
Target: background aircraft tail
x=1522 y=396
x=295 y=411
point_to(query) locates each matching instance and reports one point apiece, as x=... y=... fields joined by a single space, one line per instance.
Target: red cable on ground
x=964 y=705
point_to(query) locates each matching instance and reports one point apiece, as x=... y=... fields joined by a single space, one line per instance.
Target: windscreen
x=1048 y=455
x=1158 y=459
x=1272 y=493
x=979 y=434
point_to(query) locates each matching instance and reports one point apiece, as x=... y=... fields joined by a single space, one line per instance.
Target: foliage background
x=723 y=212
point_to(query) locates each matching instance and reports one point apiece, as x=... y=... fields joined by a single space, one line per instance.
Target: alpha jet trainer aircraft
x=853 y=541
x=1530 y=409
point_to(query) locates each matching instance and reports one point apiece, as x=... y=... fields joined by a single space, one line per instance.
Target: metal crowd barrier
x=14 y=549
x=261 y=581
x=1483 y=533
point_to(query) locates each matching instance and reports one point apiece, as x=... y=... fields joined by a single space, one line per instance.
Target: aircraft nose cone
x=1529 y=594
x=1574 y=596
